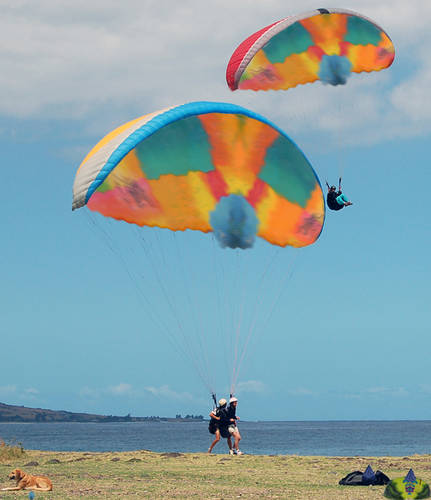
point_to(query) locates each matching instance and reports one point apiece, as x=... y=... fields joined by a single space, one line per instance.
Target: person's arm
x=213 y=415
x=327 y=185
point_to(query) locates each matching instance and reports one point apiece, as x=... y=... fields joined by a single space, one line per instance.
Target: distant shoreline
x=21 y=414
x=137 y=420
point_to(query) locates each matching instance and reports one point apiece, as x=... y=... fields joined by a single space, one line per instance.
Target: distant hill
x=10 y=413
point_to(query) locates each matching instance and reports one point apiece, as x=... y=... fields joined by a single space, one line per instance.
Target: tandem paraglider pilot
x=232 y=428
x=219 y=415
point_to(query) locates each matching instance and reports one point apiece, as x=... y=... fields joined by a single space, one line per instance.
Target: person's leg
x=237 y=437
x=216 y=440
x=341 y=199
x=229 y=443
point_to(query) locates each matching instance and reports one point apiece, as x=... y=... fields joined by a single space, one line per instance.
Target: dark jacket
x=224 y=422
x=331 y=200
x=231 y=413
x=225 y=417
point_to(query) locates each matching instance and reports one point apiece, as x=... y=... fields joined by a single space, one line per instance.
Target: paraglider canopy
x=407 y=487
x=324 y=44
x=208 y=167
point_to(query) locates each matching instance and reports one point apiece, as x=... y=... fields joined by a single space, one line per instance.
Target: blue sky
x=349 y=336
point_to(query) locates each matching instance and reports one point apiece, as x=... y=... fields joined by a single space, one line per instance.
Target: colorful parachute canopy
x=180 y=167
x=325 y=44
x=407 y=487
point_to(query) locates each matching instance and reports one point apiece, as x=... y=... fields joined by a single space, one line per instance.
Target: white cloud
x=301 y=391
x=411 y=97
x=352 y=396
x=120 y=389
x=425 y=388
x=251 y=386
x=106 y=62
x=124 y=389
x=165 y=391
x=400 y=391
x=32 y=391
x=386 y=391
x=6 y=390
x=87 y=392
x=376 y=390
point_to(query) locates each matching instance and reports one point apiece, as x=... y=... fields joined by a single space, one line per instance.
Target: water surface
x=341 y=438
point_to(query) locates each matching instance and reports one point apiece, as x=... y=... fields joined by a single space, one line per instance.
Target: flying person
x=336 y=200
x=218 y=415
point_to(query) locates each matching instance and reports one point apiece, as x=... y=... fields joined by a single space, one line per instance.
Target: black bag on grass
x=367 y=478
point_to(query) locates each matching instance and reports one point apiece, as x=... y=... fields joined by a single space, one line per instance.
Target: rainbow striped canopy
x=171 y=168
x=304 y=48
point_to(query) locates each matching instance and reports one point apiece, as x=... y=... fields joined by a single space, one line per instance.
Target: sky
x=342 y=327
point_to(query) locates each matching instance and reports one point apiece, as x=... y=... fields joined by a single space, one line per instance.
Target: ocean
x=336 y=438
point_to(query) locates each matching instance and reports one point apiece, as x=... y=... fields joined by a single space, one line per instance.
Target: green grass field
x=144 y=474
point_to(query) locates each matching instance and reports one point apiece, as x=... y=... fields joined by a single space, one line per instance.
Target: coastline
x=279 y=438
x=147 y=474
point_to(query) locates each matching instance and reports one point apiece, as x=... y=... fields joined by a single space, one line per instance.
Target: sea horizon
x=319 y=438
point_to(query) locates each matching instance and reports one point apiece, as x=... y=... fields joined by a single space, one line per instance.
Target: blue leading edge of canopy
x=161 y=120
x=170 y=116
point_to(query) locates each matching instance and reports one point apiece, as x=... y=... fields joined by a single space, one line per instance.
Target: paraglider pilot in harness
x=218 y=416
x=336 y=200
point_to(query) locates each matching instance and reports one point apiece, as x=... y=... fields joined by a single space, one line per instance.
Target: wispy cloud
x=390 y=391
x=121 y=389
x=378 y=392
x=88 y=392
x=251 y=386
x=165 y=391
x=32 y=391
x=90 y=60
x=352 y=396
x=6 y=390
x=301 y=391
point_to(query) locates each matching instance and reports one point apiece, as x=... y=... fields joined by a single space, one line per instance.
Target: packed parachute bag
x=407 y=487
x=212 y=426
x=367 y=478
